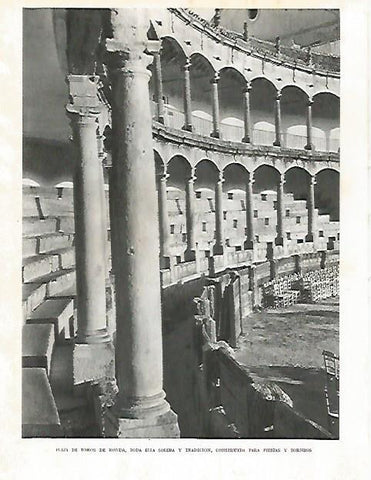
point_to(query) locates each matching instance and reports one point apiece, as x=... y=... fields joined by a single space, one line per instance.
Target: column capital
x=164 y=176
x=282 y=179
x=221 y=178
x=247 y=87
x=251 y=179
x=310 y=102
x=192 y=177
x=215 y=78
x=313 y=180
x=187 y=64
x=278 y=95
x=84 y=103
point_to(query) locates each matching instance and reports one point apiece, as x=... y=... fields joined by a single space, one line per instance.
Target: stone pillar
x=140 y=408
x=90 y=221
x=277 y=120
x=250 y=235
x=187 y=97
x=164 y=222
x=311 y=211
x=190 y=253
x=309 y=145
x=246 y=112
x=215 y=105
x=219 y=230
x=280 y=211
x=159 y=94
x=93 y=357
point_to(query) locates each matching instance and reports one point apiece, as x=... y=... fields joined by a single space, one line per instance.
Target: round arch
x=179 y=170
x=207 y=174
x=327 y=192
x=297 y=182
x=266 y=178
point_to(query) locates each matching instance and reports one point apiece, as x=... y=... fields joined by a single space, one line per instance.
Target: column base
x=215 y=134
x=248 y=245
x=218 y=250
x=309 y=237
x=188 y=128
x=279 y=241
x=160 y=119
x=276 y=143
x=190 y=255
x=164 y=425
x=308 y=147
x=246 y=140
x=165 y=262
x=92 y=362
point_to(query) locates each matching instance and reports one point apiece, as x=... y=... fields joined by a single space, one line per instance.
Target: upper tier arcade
x=217 y=83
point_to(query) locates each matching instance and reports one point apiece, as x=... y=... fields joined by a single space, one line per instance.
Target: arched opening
x=201 y=73
x=262 y=102
x=326 y=117
x=172 y=62
x=293 y=117
x=230 y=87
x=327 y=193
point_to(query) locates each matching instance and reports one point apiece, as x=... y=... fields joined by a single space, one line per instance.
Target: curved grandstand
x=203 y=163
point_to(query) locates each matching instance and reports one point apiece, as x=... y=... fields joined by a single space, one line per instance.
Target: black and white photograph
x=180 y=223
x=185 y=230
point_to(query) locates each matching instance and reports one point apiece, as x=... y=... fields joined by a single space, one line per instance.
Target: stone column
x=190 y=253
x=311 y=211
x=219 y=230
x=246 y=111
x=280 y=211
x=187 y=97
x=215 y=105
x=159 y=94
x=277 y=119
x=90 y=232
x=140 y=408
x=93 y=357
x=250 y=234
x=309 y=145
x=164 y=221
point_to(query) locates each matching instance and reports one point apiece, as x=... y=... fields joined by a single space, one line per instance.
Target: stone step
x=49 y=243
x=37 y=345
x=65 y=256
x=57 y=281
x=66 y=224
x=35 y=226
x=55 y=311
x=38 y=266
x=32 y=296
x=39 y=413
x=46 y=243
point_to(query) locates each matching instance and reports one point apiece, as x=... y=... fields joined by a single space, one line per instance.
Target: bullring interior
x=180 y=223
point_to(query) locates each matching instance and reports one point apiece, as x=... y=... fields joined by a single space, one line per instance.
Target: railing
x=235 y=133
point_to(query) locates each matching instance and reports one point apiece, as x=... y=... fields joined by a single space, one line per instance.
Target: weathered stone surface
x=39 y=413
x=37 y=345
x=93 y=362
